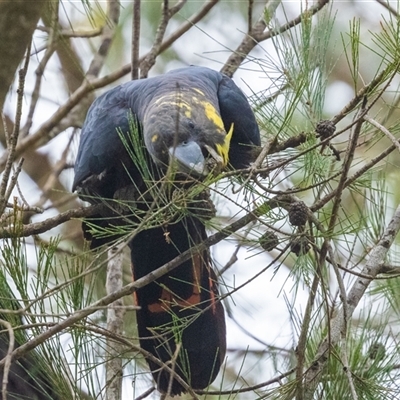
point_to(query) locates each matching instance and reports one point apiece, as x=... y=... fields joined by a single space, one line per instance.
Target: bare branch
x=386 y=4
x=249 y=42
x=135 y=39
x=43 y=226
x=147 y=393
x=256 y=35
x=73 y=34
x=115 y=322
x=113 y=12
x=12 y=140
x=51 y=47
x=392 y=138
x=8 y=358
x=167 y=13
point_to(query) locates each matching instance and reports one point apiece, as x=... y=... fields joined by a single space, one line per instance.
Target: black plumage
x=103 y=158
x=197 y=120
x=189 y=292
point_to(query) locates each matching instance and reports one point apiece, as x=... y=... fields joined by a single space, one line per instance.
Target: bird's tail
x=180 y=322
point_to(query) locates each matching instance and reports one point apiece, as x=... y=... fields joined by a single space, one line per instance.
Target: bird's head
x=186 y=130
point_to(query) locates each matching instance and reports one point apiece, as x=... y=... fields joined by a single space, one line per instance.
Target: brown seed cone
x=325 y=128
x=298 y=213
x=269 y=240
x=299 y=246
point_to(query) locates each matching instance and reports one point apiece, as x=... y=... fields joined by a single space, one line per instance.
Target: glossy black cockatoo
x=198 y=120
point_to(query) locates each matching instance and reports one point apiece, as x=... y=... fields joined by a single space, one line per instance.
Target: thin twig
x=55 y=173
x=173 y=365
x=360 y=172
x=302 y=342
x=332 y=222
x=257 y=163
x=248 y=389
x=135 y=39
x=356 y=100
x=192 y=21
x=13 y=138
x=150 y=58
x=392 y=138
x=343 y=298
x=7 y=358
x=167 y=13
x=113 y=12
x=386 y=4
x=43 y=226
x=12 y=183
x=73 y=34
x=258 y=35
x=50 y=49
x=250 y=16
x=147 y=393
x=250 y=40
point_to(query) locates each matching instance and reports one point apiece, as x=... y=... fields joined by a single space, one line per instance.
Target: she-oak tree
x=319 y=205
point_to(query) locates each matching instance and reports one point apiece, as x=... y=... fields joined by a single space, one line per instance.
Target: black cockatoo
x=198 y=120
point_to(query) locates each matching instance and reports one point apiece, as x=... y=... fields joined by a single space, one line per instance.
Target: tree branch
x=257 y=35
x=135 y=39
x=150 y=277
x=115 y=324
x=372 y=268
x=49 y=130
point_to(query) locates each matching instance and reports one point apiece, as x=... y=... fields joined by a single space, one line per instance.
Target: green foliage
x=350 y=207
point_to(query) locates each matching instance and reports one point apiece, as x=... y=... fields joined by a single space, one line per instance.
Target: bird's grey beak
x=189 y=159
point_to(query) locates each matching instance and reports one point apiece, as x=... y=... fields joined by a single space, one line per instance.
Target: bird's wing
x=235 y=109
x=102 y=157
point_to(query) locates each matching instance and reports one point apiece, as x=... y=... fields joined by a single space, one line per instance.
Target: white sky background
x=260 y=306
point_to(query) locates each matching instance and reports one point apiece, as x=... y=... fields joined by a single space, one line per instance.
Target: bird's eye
x=185 y=142
x=191 y=125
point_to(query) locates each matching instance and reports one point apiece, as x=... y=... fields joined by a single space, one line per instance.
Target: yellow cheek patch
x=223 y=149
x=154 y=138
x=212 y=114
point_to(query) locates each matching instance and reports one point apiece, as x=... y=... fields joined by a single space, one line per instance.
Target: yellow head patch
x=177 y=100
x=212 y=114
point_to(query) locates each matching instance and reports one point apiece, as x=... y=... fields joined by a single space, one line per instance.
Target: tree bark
x=18 y=20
